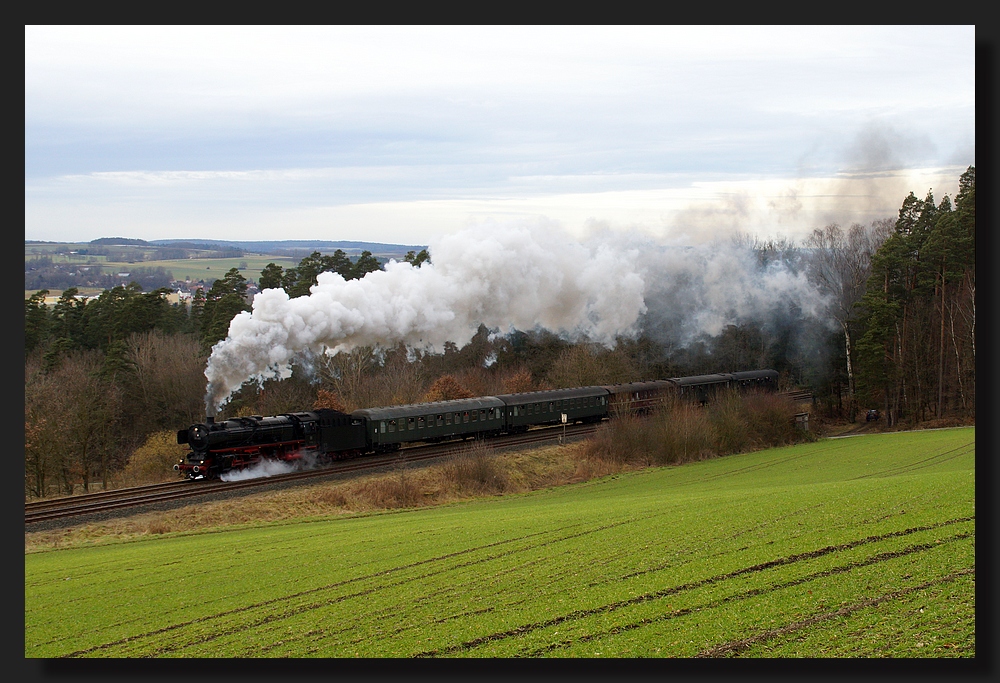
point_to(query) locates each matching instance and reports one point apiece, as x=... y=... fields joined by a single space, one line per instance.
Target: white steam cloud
x=265 y=468
x=507 y=278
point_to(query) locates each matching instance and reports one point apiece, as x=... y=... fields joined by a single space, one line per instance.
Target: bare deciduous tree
x=840 y=264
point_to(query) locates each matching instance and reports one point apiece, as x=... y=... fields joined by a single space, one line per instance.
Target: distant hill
x=276 y=246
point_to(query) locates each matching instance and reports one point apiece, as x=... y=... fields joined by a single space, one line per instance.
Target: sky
x=402 y=135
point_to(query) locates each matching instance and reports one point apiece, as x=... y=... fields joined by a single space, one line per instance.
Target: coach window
x=409 y=423
x=447 y=418
x=420 y=422
x=392 y=425
x=465 y=416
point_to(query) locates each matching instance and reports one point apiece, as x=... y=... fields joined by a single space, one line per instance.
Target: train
x=323 y=435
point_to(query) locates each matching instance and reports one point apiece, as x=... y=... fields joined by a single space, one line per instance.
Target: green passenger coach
x=583 y=404
x=389 y=427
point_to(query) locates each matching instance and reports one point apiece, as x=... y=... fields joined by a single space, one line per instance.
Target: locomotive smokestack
x=209 y=420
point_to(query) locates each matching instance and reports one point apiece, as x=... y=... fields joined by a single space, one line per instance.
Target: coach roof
x=435 y=408
x=551 y=395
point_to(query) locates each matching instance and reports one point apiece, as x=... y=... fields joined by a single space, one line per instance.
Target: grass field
x=854 y=547
x=213 y=268
x=194 y=269
x=198 y=269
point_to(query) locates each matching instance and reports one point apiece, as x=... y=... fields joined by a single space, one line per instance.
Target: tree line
x=103 y=377
x=916 y=349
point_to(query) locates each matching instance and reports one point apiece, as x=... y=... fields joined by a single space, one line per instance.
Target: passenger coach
x=387 y=428
x=583 y=404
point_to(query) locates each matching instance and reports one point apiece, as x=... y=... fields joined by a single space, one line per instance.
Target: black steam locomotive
x=323 y=435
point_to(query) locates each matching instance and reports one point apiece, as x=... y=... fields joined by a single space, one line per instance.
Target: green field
x=211 y=268
x=193 y=269
x=853 y=547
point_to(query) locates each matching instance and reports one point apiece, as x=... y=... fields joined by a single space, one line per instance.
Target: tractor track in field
x=675 y=590
x=375 y=575
x=755 y=592
x=298 y=609
x=337 y=584
x=319 y=604
x=929 y=461
x=733 y=648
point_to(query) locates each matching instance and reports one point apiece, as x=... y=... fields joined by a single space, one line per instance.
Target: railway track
x=799 y=396
x=107 y=501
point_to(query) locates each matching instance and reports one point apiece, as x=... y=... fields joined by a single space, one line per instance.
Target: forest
x=108 y=377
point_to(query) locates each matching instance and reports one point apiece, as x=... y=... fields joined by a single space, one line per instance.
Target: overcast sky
x=402 y=134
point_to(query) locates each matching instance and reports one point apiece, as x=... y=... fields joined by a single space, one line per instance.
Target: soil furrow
x=673 y=590
x=755 y=592
x=735 y=646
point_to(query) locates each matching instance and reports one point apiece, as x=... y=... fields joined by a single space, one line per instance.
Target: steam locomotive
x=320 y=436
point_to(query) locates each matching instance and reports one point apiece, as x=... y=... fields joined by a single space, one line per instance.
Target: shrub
x=328 y=399
x=729 y=419
x=624 y=440
x=334 y=497
x=681 y=433
x=153 y=462
x=446 y=388
x=518 y=381
x=771 y=418
x=390 y=492
x=476 y=471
